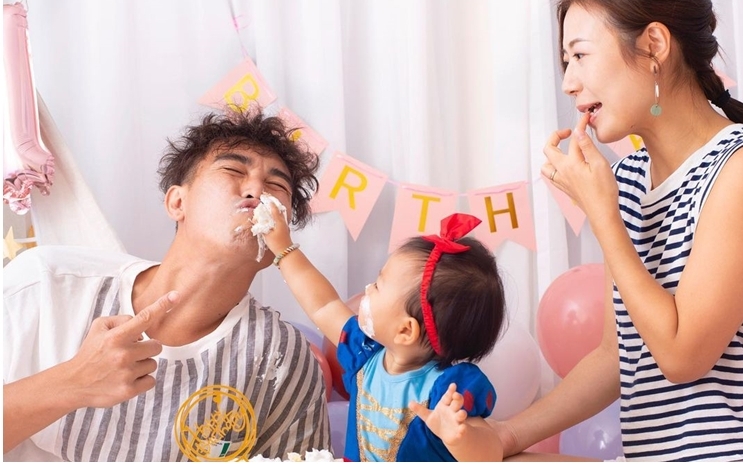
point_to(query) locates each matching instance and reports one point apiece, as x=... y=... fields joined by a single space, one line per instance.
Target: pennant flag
x=314 y=141
x=626 y=146
x=243 y=85
x=506 y=215
x=573 y=214
x=726 y=80
x=351 y=187
x=419 y=211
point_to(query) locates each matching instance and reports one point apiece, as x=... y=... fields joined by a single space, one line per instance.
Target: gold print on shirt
x=197 y=440
x=399 y=417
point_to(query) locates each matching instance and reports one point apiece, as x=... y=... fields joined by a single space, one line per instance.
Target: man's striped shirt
x=49 y=311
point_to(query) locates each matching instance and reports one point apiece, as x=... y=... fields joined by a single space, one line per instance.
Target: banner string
x=237 y=26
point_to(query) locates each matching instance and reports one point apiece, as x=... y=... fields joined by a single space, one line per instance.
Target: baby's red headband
x=453 y=228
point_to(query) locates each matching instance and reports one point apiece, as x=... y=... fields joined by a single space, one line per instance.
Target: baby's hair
x=467 y=298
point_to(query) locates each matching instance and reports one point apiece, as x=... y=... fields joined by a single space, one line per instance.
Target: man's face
x=219 y=200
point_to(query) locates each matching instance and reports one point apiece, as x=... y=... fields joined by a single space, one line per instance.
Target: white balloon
x=338 y=414
x=514 y=368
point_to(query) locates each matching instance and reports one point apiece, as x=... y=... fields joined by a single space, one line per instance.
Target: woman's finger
x=548 y=171
x=574 y=151
x=551 y=149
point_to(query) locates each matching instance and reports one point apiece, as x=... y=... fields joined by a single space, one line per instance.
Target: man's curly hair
x=250 y=129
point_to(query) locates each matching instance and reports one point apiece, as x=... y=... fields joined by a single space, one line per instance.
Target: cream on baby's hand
x=263 y=222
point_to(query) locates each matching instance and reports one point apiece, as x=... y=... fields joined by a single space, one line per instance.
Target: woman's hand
x=507 y=437
x=583 y=173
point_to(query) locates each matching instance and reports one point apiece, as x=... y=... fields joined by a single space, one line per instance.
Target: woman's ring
x=552 y=176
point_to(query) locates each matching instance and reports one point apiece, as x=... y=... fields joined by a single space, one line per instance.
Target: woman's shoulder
x=632 y=164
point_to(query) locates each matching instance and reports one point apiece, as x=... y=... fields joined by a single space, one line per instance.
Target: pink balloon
x=35 y=165
x=570 y=317
x=325 y=366
x=548 y=445
x=329 y=350
x=354 y=302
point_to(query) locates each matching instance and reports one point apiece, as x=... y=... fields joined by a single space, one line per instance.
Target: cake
x=309 y=456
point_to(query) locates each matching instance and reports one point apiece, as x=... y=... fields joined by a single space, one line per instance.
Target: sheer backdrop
x=454 y=95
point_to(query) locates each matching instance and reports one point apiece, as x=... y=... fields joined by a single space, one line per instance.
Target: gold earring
x=655 y=110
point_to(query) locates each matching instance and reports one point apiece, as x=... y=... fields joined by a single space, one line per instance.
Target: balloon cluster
x=570 y=321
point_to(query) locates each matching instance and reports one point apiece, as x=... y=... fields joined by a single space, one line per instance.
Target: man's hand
x=114 y=362
x=113 y=365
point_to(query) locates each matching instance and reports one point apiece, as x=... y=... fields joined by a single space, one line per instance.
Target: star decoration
x=31 y=237
x=10 y=246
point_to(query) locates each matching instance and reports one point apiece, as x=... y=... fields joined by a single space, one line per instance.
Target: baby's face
x=383 y=304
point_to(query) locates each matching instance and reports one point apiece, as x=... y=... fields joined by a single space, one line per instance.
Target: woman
x=668 y=219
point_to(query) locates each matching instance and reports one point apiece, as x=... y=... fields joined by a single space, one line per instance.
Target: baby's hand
x=447 y=419
x=278 y=238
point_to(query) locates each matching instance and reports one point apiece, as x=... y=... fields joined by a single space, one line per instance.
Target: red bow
x=453 y=228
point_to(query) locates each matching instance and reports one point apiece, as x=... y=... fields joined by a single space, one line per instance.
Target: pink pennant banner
x=727 y=81
x=314 y=141
x=573 y=214
x=419 y=211
x=242 y=86
x=506 y=214
x=351 y=187
x=627 y=145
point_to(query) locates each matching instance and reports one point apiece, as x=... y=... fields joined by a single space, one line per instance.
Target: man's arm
x=33 y=403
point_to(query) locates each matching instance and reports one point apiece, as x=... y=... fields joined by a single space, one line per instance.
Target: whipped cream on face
x=263 y=222
x=367 y=326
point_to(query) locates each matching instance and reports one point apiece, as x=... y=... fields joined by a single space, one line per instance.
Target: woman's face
x=617 y=95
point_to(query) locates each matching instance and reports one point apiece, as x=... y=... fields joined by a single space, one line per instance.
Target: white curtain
x=449 y=94
x=71 y=216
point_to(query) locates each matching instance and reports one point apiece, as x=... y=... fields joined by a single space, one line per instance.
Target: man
x=109 y=357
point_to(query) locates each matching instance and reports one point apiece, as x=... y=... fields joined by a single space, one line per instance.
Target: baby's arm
x=312 y=290
x=466 y=438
